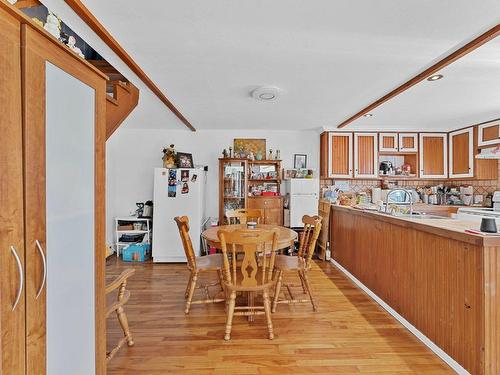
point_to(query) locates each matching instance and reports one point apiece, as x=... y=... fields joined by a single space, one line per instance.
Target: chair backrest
x=244 y=215
x=254 y=271
x=183 y=225
x=309 y=237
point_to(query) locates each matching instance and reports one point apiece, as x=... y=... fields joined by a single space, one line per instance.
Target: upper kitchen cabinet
x=488 y=133
x=365 y=155
x=388 y=142
x=462 y=153
x=408 y=142
x=433 y=155
x=340 y=153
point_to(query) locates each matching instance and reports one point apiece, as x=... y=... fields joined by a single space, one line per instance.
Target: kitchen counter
x=440 y=279
x=446 y=227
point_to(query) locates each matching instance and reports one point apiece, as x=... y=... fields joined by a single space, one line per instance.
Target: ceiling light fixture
x=435 y=77
x=368 y=115
x=265 y=94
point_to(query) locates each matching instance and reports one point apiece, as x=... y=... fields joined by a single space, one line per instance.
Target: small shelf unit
x=130 y=220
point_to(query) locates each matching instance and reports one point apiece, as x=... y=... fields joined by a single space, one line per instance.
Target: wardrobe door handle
x=21 y=277
x=44 y=260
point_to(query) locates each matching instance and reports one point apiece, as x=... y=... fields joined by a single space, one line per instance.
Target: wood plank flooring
x=350 y=334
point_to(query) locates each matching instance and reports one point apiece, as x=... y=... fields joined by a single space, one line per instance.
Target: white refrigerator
x=181 y=195
x=303 y=199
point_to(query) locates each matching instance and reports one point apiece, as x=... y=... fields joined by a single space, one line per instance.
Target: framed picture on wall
x=300 y=161
x=184 y=160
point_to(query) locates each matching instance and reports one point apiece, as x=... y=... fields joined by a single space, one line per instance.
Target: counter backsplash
x=480 y=187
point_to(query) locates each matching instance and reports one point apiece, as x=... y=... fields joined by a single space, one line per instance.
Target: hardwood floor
x=349 y=334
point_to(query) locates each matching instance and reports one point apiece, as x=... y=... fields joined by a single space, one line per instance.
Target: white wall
x=132 y=154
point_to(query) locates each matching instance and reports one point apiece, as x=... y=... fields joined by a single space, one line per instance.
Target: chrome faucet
x=406 y=192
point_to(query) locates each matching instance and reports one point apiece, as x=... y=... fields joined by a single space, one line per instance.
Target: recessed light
x=267 y=96
x=368 y=115
x=435 y=77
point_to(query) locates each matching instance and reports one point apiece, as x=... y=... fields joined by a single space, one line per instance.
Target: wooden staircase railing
x=120 y=105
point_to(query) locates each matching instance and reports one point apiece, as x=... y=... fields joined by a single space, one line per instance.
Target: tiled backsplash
x=480 y=187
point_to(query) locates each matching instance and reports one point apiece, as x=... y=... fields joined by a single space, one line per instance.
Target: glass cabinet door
x=234 y=180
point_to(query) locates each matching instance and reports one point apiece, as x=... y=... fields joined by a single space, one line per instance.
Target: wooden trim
x=85 y=14
x=36 y=50
x=462 y=51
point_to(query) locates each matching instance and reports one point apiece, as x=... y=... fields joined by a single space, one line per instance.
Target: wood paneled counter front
x=440 y=279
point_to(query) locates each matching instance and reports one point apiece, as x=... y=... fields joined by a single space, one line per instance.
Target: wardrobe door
x=12 y=305
x=60 y=164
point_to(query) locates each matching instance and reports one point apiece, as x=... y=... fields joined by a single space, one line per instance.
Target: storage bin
x=138 y=252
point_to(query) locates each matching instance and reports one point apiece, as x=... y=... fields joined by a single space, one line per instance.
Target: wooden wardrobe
x=52 y=132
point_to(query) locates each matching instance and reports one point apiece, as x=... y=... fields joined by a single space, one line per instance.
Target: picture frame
x=242 y=147
x=184 y=160
x=300 y=161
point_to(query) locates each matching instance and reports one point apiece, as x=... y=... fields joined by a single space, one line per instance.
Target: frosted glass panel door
x=70 y=118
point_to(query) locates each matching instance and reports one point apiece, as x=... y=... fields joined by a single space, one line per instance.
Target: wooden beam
x=101 y=31
x=21 y=4
x=462 y=51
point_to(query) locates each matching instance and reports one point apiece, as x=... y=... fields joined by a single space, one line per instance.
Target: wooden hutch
x=247 y=183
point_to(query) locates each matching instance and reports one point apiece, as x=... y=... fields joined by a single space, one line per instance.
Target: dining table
x=286 y=236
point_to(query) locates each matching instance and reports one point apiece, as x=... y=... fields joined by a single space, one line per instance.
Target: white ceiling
x=331 y=58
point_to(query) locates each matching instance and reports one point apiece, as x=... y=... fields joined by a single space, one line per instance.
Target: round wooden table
x=286 y=236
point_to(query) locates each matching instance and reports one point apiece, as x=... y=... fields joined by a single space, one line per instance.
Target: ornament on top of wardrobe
x=278 y=156
x=251 y=156
x=53 y=25
x=72 y=46
x=270 y=157
x=230 y=152
x=224 y=154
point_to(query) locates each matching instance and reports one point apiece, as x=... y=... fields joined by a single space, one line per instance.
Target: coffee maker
x=386 y=168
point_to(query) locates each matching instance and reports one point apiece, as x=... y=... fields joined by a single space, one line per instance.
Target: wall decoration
x=185 y=188
x=244 y=146
x=193 y=179
x=185 y=160
x=300 y=161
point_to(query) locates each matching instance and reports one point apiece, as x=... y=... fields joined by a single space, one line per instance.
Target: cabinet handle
x=39 y=247
x=21 y=277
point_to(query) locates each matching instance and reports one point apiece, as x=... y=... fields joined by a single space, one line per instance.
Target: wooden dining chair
x=244 y=215
x=122 y=298
x=197 y=265
x=301 y=264
x=248 y=275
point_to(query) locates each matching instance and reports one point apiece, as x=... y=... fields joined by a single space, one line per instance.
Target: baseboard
x=419 y=335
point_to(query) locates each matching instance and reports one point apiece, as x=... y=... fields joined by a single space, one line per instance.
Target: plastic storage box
x=138 y=252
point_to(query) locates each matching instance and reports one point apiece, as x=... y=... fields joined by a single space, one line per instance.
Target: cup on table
x=251 y=224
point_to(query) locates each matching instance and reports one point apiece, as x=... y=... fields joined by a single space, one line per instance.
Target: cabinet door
x=408 y=142
x=273 y=216
x=462 y=153
x=433 y=155
x=388 y=142
x=12 y=260
x=63 y=140
x=340 y=155
x=488 y=134
x=365 y=155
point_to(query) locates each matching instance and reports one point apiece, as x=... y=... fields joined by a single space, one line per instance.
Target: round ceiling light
x=368 y=115
x=265 y=94
x=435 y=77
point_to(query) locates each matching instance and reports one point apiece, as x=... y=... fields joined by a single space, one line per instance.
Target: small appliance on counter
x=496 y=201
x=386 y=168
